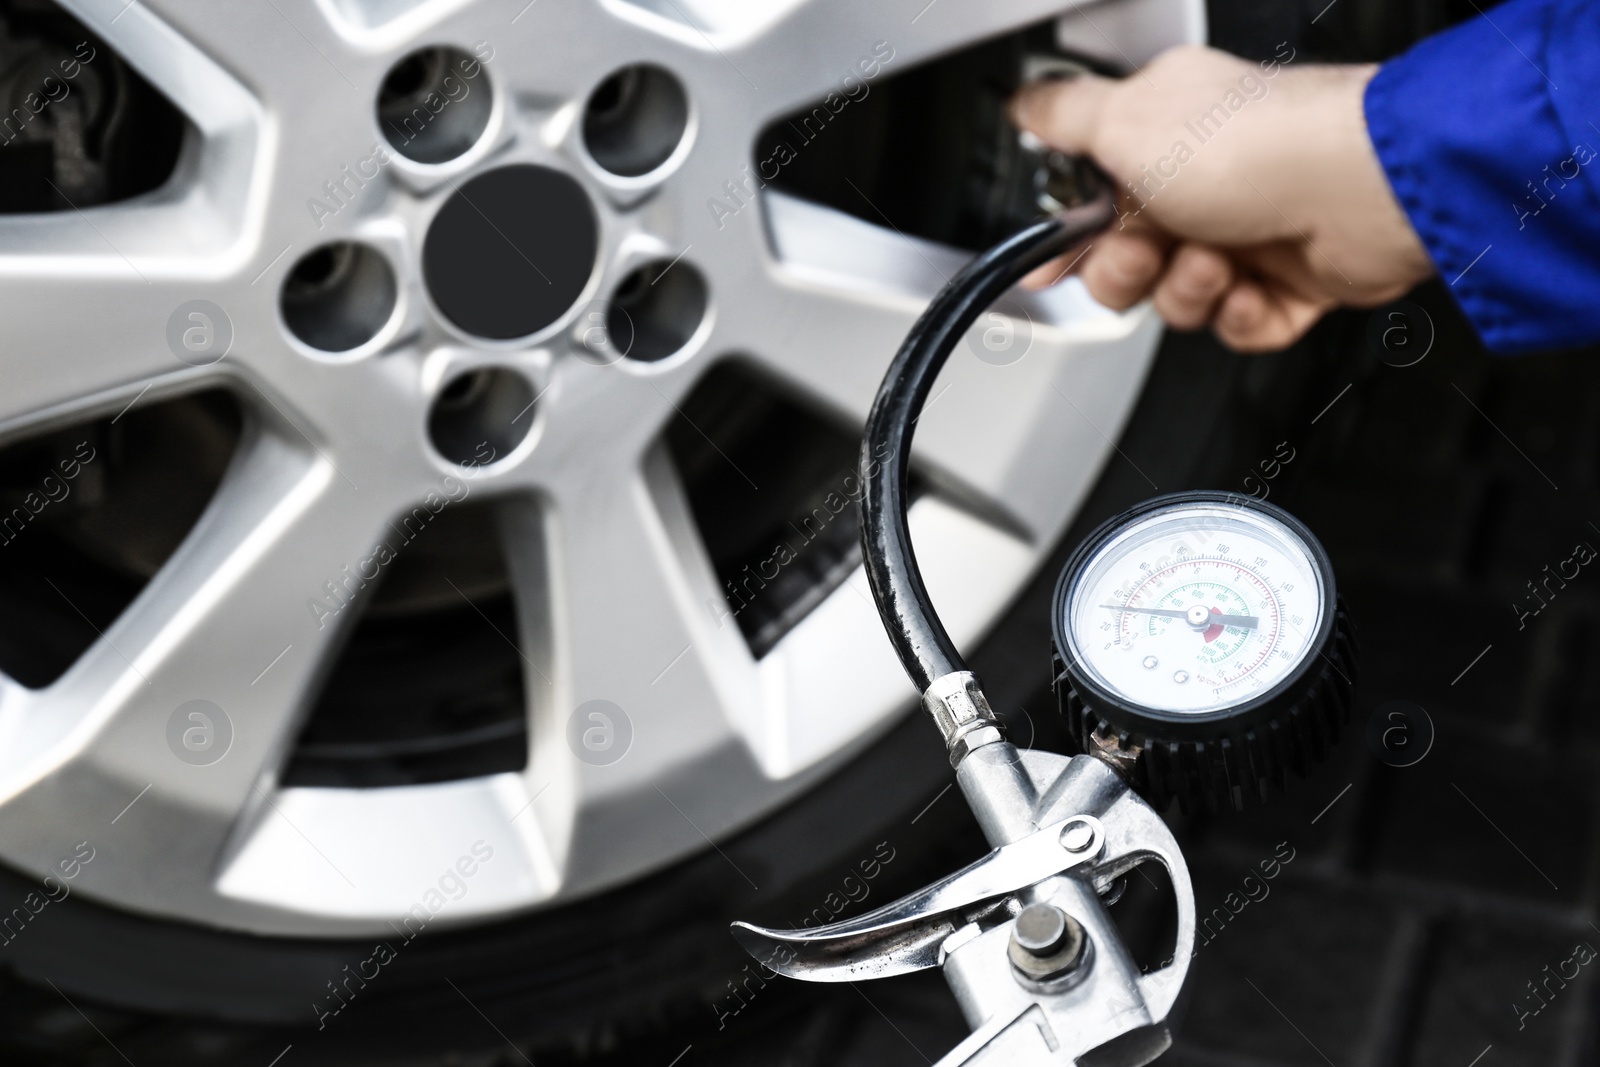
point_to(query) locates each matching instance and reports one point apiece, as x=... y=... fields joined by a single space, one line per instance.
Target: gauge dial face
x=1195 y=608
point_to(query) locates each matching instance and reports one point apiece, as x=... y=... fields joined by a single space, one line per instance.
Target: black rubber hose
x=920 y=640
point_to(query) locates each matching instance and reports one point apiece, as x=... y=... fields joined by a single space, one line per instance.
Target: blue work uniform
x=1490 y=136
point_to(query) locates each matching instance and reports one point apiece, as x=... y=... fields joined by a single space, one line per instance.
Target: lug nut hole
x=635 y=119
x=435 y=104
x=481 y=415
x=656 y=309
x=338 y=296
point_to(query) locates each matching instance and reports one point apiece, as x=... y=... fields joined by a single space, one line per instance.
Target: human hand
x=1251 y=199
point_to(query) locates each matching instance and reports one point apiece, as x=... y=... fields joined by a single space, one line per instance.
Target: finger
x=1129 y=222
x=1048 y=274
x=1121 y=268
x=1252 y=318
x=1188 y=293
x=1062 y=112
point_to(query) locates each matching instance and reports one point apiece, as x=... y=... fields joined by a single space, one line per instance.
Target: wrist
x=1320 y=172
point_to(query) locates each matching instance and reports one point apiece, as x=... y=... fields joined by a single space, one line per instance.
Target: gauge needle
x=1247 y=622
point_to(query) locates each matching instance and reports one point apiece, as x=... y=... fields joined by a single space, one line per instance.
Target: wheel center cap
x=510 y=251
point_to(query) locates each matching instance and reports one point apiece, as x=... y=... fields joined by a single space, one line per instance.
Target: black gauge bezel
x=1152 y=723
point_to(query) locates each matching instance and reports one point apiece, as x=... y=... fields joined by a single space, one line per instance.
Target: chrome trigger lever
x=907 y=935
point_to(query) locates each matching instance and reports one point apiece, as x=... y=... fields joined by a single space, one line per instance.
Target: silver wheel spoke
x=636 y=625
x=241 y=618
x=88 y=292
x=906 y=32
x=1005 y=429
x=226 y=116
x=79 y=366
x=269 y=45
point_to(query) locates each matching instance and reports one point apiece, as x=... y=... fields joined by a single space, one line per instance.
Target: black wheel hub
x=511 y=250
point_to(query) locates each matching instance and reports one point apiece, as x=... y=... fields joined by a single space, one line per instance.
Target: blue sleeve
x=1488 y=136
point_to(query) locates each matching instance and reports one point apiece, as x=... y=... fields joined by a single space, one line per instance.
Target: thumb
x=1064 y=113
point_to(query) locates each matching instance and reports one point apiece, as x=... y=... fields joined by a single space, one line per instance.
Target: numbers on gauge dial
x=1196 y=609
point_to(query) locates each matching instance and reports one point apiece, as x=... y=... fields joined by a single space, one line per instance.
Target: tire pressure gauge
x=1201 y=654
x=1201 y=647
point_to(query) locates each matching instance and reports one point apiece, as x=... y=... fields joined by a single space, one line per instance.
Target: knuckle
x=1179 y=311
x=1201 y=273
x=1108 y=289
x=1133 y=261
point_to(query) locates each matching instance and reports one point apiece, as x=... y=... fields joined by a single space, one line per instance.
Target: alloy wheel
x=508 y=307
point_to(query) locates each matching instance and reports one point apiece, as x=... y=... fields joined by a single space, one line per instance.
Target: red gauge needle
x=1200 y=617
